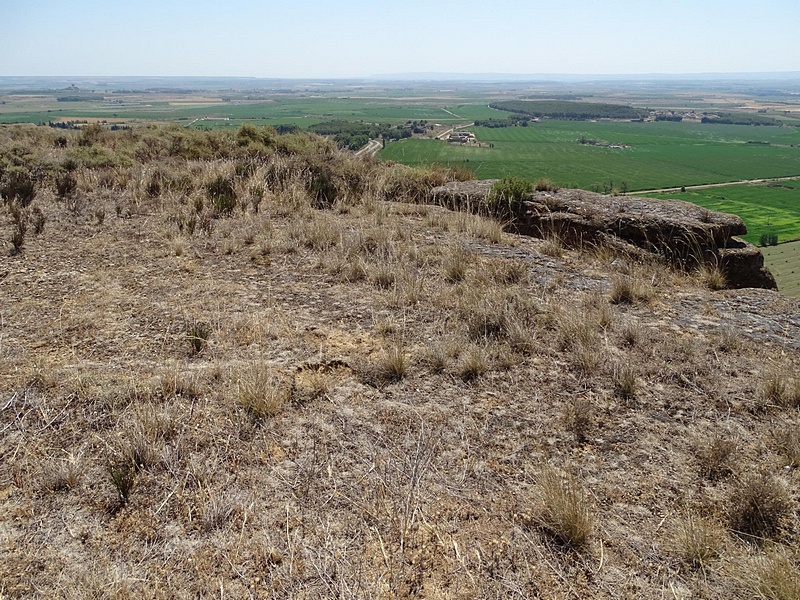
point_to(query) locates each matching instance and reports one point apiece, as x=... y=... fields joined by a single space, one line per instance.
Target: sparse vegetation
x=364 y=396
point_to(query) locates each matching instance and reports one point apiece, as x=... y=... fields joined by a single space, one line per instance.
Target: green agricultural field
x=784 y=262
x=281 y=110
x=765 y=208
x=657 y=154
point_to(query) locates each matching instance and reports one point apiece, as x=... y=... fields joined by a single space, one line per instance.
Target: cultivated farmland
x=784 y=262
x=765 y=208
x=658 y=154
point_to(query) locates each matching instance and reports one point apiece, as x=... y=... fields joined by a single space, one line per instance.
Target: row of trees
x=515 y=120
x=740 y=119
x=562 y=109
x=354 y=135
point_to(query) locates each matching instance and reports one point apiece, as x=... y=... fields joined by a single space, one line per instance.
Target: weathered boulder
x=684 y=233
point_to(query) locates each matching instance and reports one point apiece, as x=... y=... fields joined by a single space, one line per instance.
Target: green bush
x=768 y=239
x=510 y=190
x=506 y=195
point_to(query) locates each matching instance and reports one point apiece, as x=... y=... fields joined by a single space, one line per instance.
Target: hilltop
x=253 y=365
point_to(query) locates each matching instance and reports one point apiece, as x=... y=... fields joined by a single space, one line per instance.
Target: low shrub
x=222 y=195
x=19 y=185
x=507 y=194
x=66 y=183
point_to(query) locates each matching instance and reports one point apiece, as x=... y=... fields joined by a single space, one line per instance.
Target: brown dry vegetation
x=249 y=366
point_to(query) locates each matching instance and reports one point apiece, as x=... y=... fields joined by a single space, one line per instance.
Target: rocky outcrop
x=684 y=233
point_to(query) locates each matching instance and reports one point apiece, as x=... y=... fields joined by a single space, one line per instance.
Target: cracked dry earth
x=421 y=371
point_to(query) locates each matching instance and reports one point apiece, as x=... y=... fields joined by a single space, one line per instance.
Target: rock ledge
x=684 y=233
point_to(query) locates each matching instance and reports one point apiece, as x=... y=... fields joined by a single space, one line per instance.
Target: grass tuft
x=564 y=511
x=197 y=334
x=714 y=457
x=260 y=392
x=758 y=505
x=772 y=577
x=629 y=290
x=697 y=541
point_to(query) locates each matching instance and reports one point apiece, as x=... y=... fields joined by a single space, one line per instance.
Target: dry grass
x=578 y=417
x=473 y=363
x=772 y=576
x=625 y=382
x=255 y=458
x=715 y=456
x=712 y=277
x=697 y=541
x=758 y=505
x=787 y=440
x=626 y=289
x=260 y=392
x=564 y=509
x=780 y=390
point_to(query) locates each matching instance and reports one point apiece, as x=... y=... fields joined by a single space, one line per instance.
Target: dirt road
x=371 y=149
x=715 y=185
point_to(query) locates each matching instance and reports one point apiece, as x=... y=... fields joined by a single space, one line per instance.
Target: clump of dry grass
x=714 y=456
x=697 y=540
x=383 y=275
x=564 y=510
x=779 y=390
x=436 y=357
x=787 y=440
x=260 y=392
x=577 y=333
x=390 y=366
x=60 y=475
x=393 y=363
x=712 y=277
x=217 y=512
x=544 y=184
x=507 y=271
x=630 y=333
x=474 y=362
x=771 y=577
x=123 y=477
x=456 y=264
x=552 y=246
x=578 y=416
x=625 y=382
x=757 y=506
x=627 y=289
x=197 y=334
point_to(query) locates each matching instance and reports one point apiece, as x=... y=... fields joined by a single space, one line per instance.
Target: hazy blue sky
x=349 y=38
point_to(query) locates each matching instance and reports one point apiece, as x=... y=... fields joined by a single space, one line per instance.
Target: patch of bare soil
x=382 y=400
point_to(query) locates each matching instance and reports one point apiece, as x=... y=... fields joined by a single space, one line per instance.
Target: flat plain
x=655 y=155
